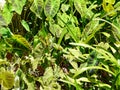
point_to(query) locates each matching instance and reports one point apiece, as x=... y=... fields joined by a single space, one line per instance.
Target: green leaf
x=29 y=84
x=2 y=21
x=55 y=29
x=18 y=5
x=81 y=7
x=61 y=36
x=25 y=25
x=7 y=79
x=22 y=41
x=74 y=32
x=61 y=17
x=81 y=70
x=102 y=85
x=117 y=6
x=106 y=34
x=109 y=1
x=65 y=7
x=7 y=13
x=5 y=32
x=108 y=7
x=107 y=55
x=48 y=75
x=37 y=7
x=90 y=30
x=51 y=8
x=3 y=62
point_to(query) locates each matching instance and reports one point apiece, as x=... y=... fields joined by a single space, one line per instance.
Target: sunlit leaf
x=81 y=7
x=108 y=7
x=105 y=53
x=3 y=62
x=103 y=85
x=7 y=13
x=106 y=34
x=90 y=29
x=18 y=5
x=109 y=1
x=65 y=7
x=113 y=49
x=48 y=75
x=55 y=29
x=22 y=41
x=25 y=25
x=117 y=6
x=92 y=67
x=29 y=84
x=37 y=7
x=61 y=17
x=2 y=21
x=7 y=79
x=5 y=32
x=51 y=7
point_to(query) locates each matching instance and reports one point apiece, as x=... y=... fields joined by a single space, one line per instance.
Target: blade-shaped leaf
x=106 y=54
x=22 y=41
x=92 y=67
x=25 y=25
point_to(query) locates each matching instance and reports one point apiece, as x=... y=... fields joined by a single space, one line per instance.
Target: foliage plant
x=59 y=44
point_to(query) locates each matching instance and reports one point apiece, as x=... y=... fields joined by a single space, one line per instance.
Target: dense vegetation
x=60 y=45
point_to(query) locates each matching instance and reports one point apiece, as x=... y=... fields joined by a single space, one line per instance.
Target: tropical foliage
x=60 y=44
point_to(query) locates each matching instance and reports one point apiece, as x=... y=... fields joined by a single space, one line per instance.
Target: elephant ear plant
x=59 y=44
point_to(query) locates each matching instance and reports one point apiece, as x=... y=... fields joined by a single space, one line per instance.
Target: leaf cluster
x=60 y=44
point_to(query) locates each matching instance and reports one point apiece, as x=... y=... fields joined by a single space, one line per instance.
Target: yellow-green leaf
x=7 y=79
x=2 y=62
x=25 y=25
x=37 y=7
x=108 y=7
x=109 y=1
x=51 y=7
x=22 y=41
x=17 y=5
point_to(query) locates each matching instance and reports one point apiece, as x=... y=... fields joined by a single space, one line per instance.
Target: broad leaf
x=7 y=13
x=51 y=8
x=18 y=5
x=65 y=7
x=5 y=32
x=55 y=29
x=7 y=79
x=37 y=7
x=108 y=7
x=2 y=21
